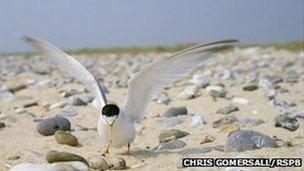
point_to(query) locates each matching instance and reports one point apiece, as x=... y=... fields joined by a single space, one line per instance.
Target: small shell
x=98 y=162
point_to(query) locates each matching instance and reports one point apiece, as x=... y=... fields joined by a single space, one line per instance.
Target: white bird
x=116 y=126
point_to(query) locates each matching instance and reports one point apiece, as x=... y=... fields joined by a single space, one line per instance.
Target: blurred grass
x=291 y=46
x=295 y=46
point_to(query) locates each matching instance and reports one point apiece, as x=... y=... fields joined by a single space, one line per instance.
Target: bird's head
x=110 y=113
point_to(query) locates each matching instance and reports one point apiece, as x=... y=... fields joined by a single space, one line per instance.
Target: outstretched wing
x=70 y=65
x=159 y=74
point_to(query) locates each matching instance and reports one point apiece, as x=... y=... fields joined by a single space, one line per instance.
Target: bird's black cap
x=110 y=110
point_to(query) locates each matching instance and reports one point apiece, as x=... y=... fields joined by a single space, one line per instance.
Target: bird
x=116 y=125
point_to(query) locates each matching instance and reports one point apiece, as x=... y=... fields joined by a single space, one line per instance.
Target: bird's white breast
x=123 y=131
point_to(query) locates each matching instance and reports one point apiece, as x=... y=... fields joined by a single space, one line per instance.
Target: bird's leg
x=106 y=149
x=128 y=149
x=107 y=146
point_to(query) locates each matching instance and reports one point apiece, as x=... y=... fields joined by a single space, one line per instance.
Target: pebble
x=117 y=163
x=197 y=120
x=69 y=93
x=200 y=80
x=175 y=111
x=55 y=156
x=225 y=120
x=163 y=99
x=30 y=104
x=271 y=94
x=190 y=92
x=51 y=125
x=207 y=139
x=6 y=96
x=299 y=114
x=14 y=157
x=227 y=110
x=98 y=162
x=76 y=101
x=68 y=112
x=16 y=87
x=269 y=81
x=170 y=121
x=58 y=105
x=67 y=138
x=241 y=140
x=250 y=88
x=240 y=100
x=171 y=135
x=281 y=104
x=286 y=122
x=61 y=166
x=170 y=145
x=2 y=125
x=216 y=91
x=249 y=121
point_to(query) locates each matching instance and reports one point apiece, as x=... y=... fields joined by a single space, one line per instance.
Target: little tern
x=116 y=125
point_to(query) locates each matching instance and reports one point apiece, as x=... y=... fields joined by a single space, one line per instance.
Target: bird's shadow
x=140 y=153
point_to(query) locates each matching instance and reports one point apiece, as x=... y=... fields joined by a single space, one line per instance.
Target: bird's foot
x=106 y=151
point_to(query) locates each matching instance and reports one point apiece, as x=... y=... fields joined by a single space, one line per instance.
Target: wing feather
x=70 y=65
x=159 y=74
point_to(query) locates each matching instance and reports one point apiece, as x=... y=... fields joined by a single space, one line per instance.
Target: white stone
x=197 y=120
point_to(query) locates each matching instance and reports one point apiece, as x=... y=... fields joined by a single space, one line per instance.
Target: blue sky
x=96 y=23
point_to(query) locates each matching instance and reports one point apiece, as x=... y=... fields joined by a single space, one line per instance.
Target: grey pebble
x=286 y=122
x=51 y=125
x=225 y=120
x=241 y=140
x=171 y=134
x=271 y=94
x=249 y=121
x=170 y=121
x=216 y=91
x=175 y=111
x=6 y=96
x=227 y=110
x=68 y=112
x=76 y=101
x=170 y=145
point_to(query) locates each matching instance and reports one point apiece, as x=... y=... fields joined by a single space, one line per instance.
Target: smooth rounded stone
x=175 y=111
x=190 y=92
x=30 y=104
x=68 y=112
x=117 y=163
x=69 y=93
x=271 y=94
x=241 y=140
x=299 y=114
x=269 y=81
x=87 y=99
x=55 y=156
x=291 y=77
x=6 y=96
x=170 y=121
x=2 y=125
x=51 y=125
x=197 y=120
x=286 y=122
x=58 y=105
x=16 y=87
x=20 y=110
x=224 y=121
x=281 y=104
x=76 y=101
x=13 y=157
x=67 y=138
x=250 y=88
x=170 y=145
x=171 y=135
x=227 y=110
x=207 y=139
x=163 y=99
x=240 y=100
x=216 y=91
x=61 y=166
x=98 y=162
x=200 y=80
x=250 y=121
